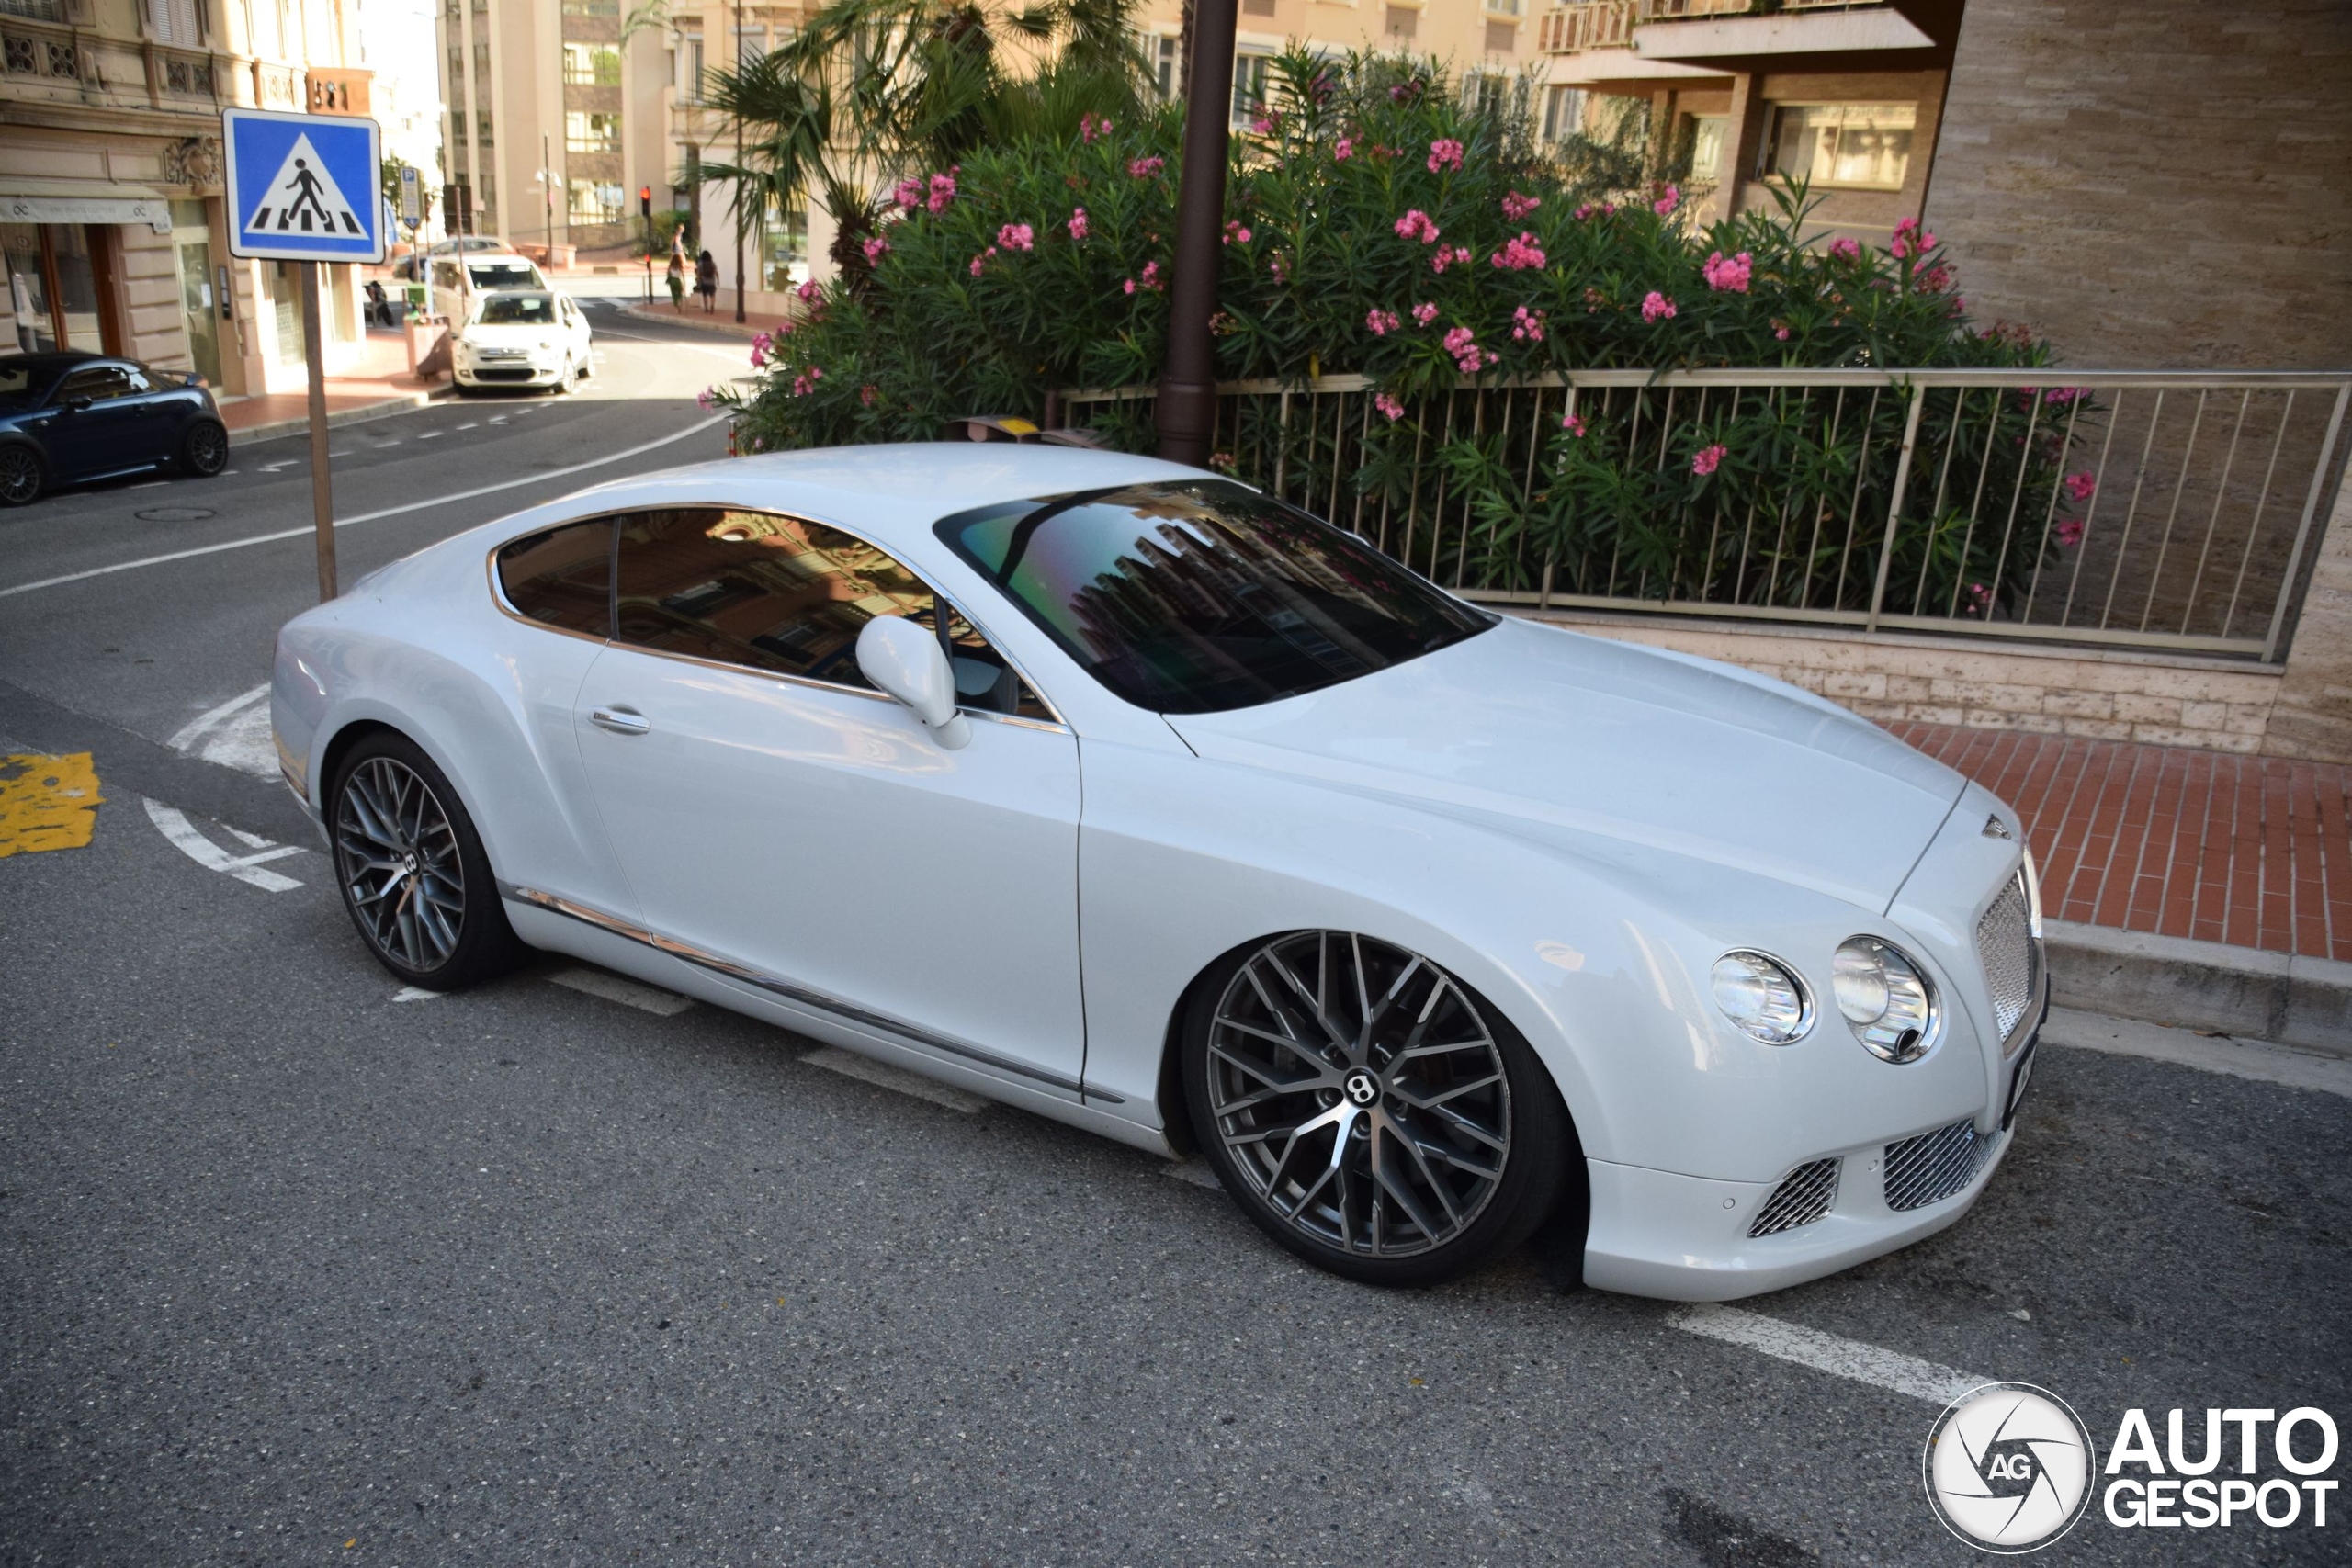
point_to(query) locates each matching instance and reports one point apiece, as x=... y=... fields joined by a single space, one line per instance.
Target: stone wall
x=2163 y=183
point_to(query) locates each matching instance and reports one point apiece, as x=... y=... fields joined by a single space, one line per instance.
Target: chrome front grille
x=1932 y=1166
x=2012 y=959
x=1802 y=1197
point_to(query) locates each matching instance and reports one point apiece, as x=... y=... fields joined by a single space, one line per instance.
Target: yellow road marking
x=47 y=803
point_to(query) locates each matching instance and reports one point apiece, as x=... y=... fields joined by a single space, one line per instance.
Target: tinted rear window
x=1204 y=595
x=562 y=577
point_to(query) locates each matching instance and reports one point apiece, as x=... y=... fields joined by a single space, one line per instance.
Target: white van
x=457 y=279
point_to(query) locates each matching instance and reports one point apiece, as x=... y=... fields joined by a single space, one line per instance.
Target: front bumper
x=509 y=373
x=1655 y=1233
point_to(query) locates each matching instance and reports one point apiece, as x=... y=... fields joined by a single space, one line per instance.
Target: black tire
x=204 y=450
x=23 y=476
x=444 y=927
x=1401 y=1146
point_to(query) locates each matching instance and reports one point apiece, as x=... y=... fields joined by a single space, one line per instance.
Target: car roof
x=891 y=494
x=58 y=359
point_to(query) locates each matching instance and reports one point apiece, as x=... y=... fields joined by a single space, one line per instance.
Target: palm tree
x=872 y=91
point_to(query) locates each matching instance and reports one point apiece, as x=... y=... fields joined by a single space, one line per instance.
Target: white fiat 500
x=1132 y=798
x=523 y=338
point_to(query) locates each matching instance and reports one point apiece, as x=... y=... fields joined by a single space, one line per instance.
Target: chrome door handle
x=619 y=721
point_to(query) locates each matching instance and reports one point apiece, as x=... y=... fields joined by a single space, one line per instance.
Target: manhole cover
x=173 y=515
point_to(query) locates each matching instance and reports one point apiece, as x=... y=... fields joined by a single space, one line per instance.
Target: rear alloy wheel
x=1369 y=1112
x=204 y=450
x=413 y=872
x=20 y=475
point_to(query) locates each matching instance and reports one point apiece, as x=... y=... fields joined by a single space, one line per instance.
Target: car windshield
x=502 y=275
x=518 y=311
x=20 y=379
x=1199 y=596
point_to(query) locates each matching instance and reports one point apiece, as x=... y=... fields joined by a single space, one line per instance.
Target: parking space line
x=866 y=1071
x=628 y=993
x=246 y=869
x=415 y=994
x=1831 y=1353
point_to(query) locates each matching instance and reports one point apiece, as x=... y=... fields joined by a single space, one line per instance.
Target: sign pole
x=322 y=481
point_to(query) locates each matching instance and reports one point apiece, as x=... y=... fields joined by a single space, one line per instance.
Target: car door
x=97 y=428
x=575 y=322
x=782 y=823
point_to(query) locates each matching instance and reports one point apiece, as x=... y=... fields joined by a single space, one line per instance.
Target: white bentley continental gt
x=1128 y=796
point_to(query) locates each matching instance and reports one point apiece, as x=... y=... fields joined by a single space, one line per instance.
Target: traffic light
x=645 y=201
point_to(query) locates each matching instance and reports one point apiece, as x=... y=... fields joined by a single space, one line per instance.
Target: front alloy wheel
x=1369 y=1112
x=413 y=876
x=204 y=450
x=20 y=475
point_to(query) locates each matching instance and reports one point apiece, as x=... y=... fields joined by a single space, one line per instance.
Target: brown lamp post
x=1187 y=412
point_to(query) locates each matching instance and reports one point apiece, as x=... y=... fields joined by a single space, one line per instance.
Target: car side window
x=781 y=594
x=562 y=577
x=98 y=383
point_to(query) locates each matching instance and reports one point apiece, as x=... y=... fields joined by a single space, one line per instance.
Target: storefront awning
x=82 y=201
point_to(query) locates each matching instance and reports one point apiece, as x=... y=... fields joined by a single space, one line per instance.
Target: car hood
x=1567 y=734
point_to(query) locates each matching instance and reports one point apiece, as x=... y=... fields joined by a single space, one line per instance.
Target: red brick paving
x=2255 y=852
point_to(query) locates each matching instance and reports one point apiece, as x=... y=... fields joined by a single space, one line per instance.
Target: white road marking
x=1831 y=1353
x=234 y=735
x=273 y=467
x=470 y=425
x=151 y=484
x=338 y=454
x=227 y=472
x=246 y=869
x=628 y=993
x=2257 y=1059
x=415 y=994
x=866 y=1071
x=305 y=532
x=499 y=420
x=393 y=442
x=432 y=435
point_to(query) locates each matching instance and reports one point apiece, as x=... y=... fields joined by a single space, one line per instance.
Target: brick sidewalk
x=379 y=382
x=2249 y=851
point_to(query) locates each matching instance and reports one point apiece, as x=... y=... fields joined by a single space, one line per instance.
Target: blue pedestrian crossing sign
x=303 y=187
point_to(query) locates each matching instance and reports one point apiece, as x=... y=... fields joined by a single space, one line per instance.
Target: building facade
x=112 y=222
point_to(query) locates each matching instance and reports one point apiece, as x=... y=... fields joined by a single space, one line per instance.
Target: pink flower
x=1266 y=124
x=1445 y=153
x=1468 y=358
x=1979 y=597
x=1343 y=148
x=875 y=249
x=1445 y=258
x=1845 y=250
x=1235 y=234
x=810 y=291
x=981 y=260
x=806 y=382
x=2080 y=487
x=1657 y=307
x=1781 y=332
x=707 y=396
x=1527 y=325
x=2069 y=531
x=1089 y=127
x=1145 y=167
x=1150 y=278
x=1520 y=253
x=1707 y=459
x=761 y=343
x=1280 y=268
x=865 y=394
x=1017 y=237
x=1668 y=201
x=1424 y=314
x=1573 y=425
x=1381 y=323
x=1404 y=92
x=1584 y=211
x=1416 y=225
x=1078 y=222
x=2061 y=396
x=1910 y=237
x=1130 y=286
x=1728 y=274
x=1389 y=406
x=943 y=191
x=1516 y=207
x=909 y=194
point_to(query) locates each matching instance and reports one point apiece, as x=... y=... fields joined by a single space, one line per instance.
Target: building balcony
x=1621 y=40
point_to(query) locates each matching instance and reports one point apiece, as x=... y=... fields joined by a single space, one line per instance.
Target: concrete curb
x=2238 y=991
x=361 y=416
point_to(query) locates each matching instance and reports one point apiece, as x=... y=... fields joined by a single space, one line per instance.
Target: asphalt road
x=293 y=1271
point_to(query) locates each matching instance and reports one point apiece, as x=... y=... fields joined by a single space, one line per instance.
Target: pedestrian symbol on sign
x=304 y=195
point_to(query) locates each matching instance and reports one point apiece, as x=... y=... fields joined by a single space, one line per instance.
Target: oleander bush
x=1378 y=225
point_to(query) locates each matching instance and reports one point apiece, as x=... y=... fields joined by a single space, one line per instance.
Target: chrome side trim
x=800 y=996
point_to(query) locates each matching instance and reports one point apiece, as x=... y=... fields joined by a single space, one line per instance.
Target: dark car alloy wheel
x=204 y=450
x=1360 y=1093
x=399 y=858
x=20 y=475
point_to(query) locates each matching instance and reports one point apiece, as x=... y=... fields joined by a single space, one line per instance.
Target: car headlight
x=1762 y=997
x=1886 y=997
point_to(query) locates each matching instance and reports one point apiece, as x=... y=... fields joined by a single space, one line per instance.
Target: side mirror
x=77 y=405
x=907 y=661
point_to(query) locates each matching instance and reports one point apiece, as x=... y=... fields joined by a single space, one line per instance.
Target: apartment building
x=552 y=120
x=113 y=229
x=1487 y=40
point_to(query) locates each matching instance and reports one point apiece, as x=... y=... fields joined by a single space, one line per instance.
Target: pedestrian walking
x=707 y=281
x=677 y=278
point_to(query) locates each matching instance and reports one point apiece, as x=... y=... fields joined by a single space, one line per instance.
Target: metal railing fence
x=2125 y=509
